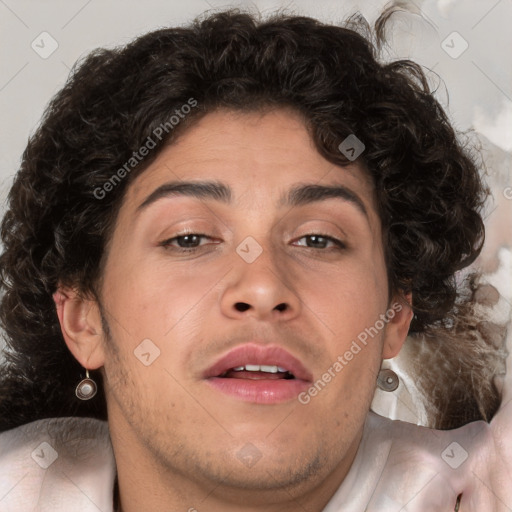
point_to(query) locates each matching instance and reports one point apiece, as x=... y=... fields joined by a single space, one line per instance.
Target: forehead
x=259 y=155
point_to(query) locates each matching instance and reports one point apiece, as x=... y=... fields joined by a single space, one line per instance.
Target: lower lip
x=260 y=391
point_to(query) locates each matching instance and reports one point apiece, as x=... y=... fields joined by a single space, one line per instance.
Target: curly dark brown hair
x=427 y=185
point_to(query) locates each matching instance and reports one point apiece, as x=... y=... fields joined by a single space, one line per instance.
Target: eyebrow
x=197 y=189
x=298 y=196
x=306 y=194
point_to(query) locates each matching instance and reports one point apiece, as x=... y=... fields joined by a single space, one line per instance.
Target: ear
x=399 y=319
x=80 y=323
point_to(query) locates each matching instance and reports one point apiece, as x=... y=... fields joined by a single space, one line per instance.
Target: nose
x=262 y=289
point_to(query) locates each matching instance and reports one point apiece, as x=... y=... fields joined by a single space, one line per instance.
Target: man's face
x=193 y=278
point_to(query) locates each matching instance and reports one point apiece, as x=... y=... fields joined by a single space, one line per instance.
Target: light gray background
x=476 y=86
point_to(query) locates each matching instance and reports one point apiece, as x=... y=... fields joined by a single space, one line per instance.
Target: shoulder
x=57 y=464
x=427 y=469
x=402 y=466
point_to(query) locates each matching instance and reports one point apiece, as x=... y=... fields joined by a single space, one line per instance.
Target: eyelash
x=338 y=243
x=166 y=244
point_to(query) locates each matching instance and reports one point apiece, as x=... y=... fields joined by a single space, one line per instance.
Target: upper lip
x=253 y=353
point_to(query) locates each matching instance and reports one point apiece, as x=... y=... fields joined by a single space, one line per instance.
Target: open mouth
x=257 y=372
x=260 y=374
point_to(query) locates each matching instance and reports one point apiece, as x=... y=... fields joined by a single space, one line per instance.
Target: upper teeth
x=260 y=368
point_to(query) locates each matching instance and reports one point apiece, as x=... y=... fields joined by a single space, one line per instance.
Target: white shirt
x=67 y=464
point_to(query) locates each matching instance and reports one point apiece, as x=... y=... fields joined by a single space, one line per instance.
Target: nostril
x=243 y=306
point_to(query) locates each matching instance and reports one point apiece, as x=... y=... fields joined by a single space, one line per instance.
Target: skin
x=176 y=439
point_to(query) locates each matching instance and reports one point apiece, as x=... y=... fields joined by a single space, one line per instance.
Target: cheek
x=149 y=300
x=349 y=299
x=350 y=303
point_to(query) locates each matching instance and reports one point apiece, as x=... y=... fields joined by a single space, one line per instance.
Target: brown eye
x=317 y=241
x=188 y=241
